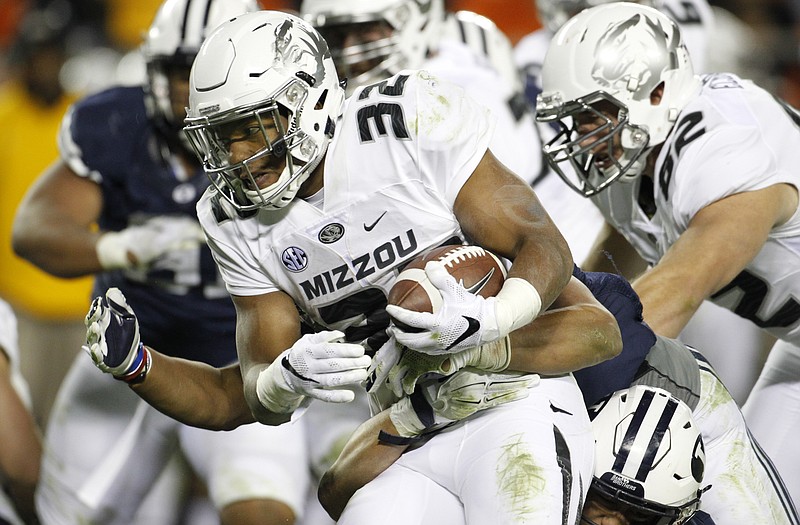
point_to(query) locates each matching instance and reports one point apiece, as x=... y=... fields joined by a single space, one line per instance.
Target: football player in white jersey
x=371 y=40
x=580 y=222
x=124 y=167
x=316 y=206
x=719 y=332
x=698 y=174
x=20 y=440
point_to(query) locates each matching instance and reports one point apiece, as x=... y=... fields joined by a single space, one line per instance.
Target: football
x=478 y=270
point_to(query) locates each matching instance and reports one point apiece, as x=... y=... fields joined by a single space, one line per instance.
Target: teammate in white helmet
x=315 y=207
x=697 y=173
x=126 y=166
x=20 y=439
x=720 y=333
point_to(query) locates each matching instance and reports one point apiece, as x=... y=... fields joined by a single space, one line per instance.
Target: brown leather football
x=478 y=270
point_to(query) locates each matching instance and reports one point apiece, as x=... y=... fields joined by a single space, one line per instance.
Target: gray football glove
x=442 y=402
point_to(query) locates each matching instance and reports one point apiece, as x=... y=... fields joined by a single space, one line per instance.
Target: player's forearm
x=565 y=340
x=56 y=246
x=20 y=454
x=257 y=409
x=668 y=303
x=362 y=460
x=195 y=393
x=545 y=262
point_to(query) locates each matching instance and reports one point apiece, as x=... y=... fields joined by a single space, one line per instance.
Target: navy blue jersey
x=619 y=298
x=181 y=303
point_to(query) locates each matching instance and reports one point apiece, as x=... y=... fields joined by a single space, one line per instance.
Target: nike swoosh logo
x=372 y=226
x=477 y=287
x=473 y=325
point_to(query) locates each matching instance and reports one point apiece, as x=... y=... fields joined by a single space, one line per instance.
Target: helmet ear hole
x=321 y=100
x=657 y=94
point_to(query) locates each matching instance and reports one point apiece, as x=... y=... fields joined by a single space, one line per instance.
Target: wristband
x=493 y=357
x=391 y=439
x=405 y=418
x=273 y=392
x=112 y=251
x=139 y=367
x=517 y=304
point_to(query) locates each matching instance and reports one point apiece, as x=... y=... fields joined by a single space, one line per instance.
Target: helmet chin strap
x=636 y=167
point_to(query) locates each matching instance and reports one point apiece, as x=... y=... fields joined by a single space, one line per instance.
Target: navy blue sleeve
x=619 y=298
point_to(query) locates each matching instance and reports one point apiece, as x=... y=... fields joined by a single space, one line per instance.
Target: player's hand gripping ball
x=453 y=293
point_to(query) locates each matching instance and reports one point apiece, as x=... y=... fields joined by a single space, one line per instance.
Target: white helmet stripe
x=638 y=465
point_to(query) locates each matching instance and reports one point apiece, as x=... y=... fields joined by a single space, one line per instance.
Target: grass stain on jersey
x=717 y=395
x=519 y=478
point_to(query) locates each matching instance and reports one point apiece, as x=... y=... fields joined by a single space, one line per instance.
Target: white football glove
x=148 y=241
x=465 y=320
x=416 y=366
x=112 y=338
x=318 y=365
x=383 y=361
x=440 y=403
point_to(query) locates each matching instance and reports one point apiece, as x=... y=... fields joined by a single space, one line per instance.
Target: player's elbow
x=328 y=495
x=604 y=336
x=28 y=244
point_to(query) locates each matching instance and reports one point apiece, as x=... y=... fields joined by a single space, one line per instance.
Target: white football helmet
x=618 y=54
x=259 y=67
x=373 y=39
x=649 y=454
x=172 y=42
x=554 y=13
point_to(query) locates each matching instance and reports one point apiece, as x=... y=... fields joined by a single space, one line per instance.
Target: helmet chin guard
x=272 y=74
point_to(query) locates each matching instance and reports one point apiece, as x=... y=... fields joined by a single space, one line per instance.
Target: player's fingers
x=439 y=276
x=332 y=396
x=339 y=364
x=332 y=350
x=340 y=379
x=409 y=317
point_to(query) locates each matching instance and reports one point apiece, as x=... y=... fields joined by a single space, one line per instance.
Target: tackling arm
x=576 y=332
x=361 y=460
x=720 y=241
x=195 y=393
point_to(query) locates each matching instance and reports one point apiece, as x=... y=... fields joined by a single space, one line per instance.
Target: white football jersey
x=402 y=150
x=731 y=138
